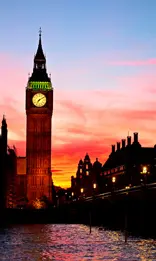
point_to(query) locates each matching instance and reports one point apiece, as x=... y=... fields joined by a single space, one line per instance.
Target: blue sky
x=81 y=37
x=78 y=28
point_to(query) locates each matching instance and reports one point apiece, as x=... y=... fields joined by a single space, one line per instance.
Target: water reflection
x=71 y=242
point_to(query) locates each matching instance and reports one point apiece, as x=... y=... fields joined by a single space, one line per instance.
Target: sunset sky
x=102 y=58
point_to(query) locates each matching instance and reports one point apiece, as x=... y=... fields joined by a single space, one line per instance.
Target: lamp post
x=57 y=201
x=113 y=181
x=144 y=172
x=94 y=186
x=82 y=191
x=72 y=195
x=90 y=212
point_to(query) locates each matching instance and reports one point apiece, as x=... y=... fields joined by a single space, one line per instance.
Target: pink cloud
x=151 y=61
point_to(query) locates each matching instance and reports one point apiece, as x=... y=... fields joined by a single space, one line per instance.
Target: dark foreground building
x=8 y=170
x=129 y=164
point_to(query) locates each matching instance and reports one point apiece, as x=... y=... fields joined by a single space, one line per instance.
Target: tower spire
x=39 y=54
x=4 y=121
x=39 y=71
x=40 y=32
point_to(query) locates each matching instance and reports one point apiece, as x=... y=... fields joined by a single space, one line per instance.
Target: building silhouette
x=39 y=109
x=87 y=177
x=8 y=170
x=129 y=164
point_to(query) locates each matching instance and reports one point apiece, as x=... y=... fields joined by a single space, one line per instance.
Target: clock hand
x=40 y=99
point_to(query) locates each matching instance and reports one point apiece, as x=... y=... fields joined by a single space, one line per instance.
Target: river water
x=72 y=243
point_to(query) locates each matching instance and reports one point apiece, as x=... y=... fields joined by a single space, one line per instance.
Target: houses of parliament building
x=129 y=164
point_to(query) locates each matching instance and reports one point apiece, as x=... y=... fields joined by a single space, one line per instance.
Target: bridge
x=125 y=191
x=131 y=207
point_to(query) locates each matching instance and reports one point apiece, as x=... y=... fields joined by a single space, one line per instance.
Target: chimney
x=118 y=145
x=135 y=137
x=113 y=148
x=123 y=143
x=128 y=140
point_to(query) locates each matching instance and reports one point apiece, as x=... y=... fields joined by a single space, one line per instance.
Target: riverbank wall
x=136 y=215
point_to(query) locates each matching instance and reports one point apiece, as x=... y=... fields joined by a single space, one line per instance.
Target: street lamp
x=145 y=172
x=113 y=179
x=94 y=185
x=57 y=201
x=82 y=190
x=94 y=189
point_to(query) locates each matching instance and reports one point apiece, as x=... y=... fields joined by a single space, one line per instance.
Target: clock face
x=39 y=99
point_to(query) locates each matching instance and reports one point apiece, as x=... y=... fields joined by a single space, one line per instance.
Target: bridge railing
x=120 y=191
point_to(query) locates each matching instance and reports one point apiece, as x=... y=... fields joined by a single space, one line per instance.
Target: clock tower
x=39 y=109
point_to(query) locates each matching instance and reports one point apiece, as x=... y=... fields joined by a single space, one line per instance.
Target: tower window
x=87 y=172
x=86 y=166
x=80 y=170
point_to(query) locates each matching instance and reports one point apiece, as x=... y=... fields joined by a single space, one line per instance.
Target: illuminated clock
x=39 y=99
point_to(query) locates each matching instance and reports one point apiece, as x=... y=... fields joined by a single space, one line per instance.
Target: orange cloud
x=83 y=120
x=89 y=129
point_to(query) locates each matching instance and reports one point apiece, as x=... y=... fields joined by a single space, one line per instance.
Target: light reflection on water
x=71 y=242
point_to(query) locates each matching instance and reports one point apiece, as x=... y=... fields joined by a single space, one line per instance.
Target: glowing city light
x=144 y=170
x=94 y=185
x=38 y=204
x=82 y=190
x=113 y=179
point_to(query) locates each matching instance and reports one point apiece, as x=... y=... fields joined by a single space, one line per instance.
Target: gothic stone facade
x=39 y=108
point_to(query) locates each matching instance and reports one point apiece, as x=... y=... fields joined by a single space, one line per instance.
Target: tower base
x=39 y=189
